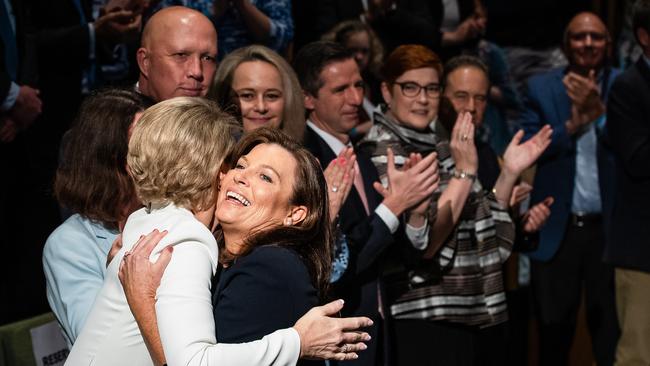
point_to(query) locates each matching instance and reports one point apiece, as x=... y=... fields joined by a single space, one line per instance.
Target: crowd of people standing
x=210 y=180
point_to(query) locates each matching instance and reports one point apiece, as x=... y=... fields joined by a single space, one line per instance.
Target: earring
x=288 y=222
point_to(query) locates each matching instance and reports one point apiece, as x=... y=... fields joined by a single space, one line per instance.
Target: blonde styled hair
x=293 y=113
x=176 y=151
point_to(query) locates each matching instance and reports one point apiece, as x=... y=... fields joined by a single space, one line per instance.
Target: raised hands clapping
x=520 y=156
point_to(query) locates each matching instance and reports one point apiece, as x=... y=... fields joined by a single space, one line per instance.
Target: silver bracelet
x=461 y=174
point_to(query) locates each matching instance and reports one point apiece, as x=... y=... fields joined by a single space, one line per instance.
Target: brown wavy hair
x=311 y=238
x=92 y=179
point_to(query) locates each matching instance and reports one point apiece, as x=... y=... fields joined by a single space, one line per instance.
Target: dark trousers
x=519 y=315
x=428 y=343
x=557 y=288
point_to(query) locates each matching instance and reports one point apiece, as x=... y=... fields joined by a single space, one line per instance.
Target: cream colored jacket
x=183 y=306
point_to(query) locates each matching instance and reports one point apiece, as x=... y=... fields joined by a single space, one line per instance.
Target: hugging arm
x=315 y=335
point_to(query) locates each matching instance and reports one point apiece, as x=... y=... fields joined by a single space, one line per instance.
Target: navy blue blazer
x=628 y=111
x=546 y=102
x=367 y=235
x=266 y=290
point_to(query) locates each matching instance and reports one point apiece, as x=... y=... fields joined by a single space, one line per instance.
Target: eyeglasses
x=411 y=89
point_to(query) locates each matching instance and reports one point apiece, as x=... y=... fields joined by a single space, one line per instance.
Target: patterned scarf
x=423 y=142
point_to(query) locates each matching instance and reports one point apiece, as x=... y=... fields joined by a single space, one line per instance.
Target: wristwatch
x=461 y=174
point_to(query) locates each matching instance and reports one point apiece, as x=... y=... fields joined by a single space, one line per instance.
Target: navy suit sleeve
x=266 y=290
x=370 y=237
x=628 y=129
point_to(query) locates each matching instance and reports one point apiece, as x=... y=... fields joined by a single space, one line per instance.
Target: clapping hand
x=422 y=208
x=461 y=144
x=407 y=188
x=520 y=156
x=339 y=176
x=519 y=193
x=536 y=217
x=584 y=93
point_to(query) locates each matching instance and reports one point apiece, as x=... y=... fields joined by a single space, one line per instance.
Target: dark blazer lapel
x=318 y=147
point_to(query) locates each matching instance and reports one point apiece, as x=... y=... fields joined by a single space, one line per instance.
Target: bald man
x=178 y=54
x=578 y=173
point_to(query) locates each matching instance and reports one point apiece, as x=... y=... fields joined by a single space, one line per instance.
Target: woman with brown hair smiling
x=275 y=237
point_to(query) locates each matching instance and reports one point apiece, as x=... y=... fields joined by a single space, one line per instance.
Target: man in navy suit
x=628 y=114
x=577 y=171
x=333 y=90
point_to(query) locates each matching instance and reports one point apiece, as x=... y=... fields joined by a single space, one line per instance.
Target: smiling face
x=416 y=111
x=255 y=194
x=178 y=53
x=258 y=87
x=336 y=107
x=587 y=41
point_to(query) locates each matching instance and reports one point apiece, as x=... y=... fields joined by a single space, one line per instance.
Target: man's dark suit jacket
x=368 y=237
x=628 y=120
